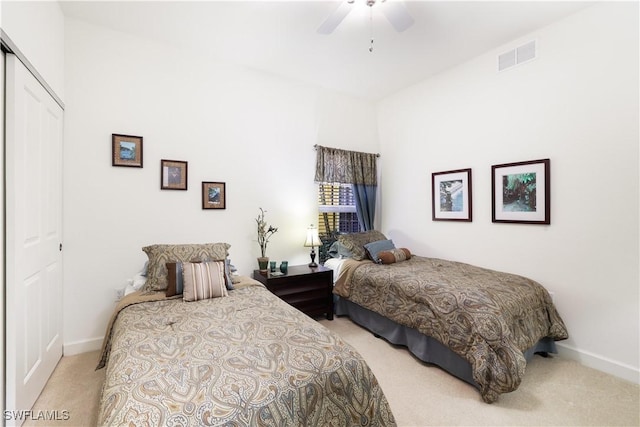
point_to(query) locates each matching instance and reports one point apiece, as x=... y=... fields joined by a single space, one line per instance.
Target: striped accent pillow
x=203 y=280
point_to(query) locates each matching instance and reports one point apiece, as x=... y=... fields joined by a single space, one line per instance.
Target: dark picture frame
x=214 y=195
x=126 y=150
x=521 y=192
x=173 y=174
x=451 y=197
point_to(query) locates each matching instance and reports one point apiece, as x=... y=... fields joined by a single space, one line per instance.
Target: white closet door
x=2 y=205
x=33 y=236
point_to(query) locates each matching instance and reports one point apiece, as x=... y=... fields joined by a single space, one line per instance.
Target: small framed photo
x=213 y=195
x=521 y=192
x=451 y=195
x=173 y=175
x=126 y=150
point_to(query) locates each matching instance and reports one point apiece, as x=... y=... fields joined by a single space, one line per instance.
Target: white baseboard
x=84 y=346
x=600 y=363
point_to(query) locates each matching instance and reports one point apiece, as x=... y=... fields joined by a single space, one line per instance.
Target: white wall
x=251 y=130
x=576 y=104
x=37 y=29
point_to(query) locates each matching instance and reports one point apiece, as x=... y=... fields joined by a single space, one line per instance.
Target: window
x=337 y=209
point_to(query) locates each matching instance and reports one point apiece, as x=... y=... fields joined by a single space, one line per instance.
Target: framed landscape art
x=126 y=150
x=213 y=195
x=521 y=192
x=173 y=175
x=451 y=195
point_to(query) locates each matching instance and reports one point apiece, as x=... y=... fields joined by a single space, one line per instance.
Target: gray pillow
x=374 y=248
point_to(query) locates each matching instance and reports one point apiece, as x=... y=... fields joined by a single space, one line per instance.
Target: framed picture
x=126 y=150
x=213 y=195
x=521 y=192
x=451 y=195
x=173 y=175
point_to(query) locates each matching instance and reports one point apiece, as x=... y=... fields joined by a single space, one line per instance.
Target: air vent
x=526 y=52
x=507 y=60
x=517 y=56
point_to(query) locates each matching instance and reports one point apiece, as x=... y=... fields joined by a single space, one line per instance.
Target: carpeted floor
x=554 y=392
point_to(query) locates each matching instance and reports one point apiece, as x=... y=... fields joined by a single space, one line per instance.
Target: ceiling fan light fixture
x=395 y=12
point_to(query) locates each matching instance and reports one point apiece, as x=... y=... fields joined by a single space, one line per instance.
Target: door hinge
x=60 y=247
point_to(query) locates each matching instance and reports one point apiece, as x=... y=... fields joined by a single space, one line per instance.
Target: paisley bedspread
x=247 y=359
x=488 y=317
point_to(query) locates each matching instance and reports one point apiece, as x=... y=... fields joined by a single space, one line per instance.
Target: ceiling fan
x=395 y=11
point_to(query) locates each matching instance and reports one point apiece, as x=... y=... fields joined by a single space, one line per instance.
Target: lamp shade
x=312 y=237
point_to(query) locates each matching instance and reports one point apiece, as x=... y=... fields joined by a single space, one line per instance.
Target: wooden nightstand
x=308 y=289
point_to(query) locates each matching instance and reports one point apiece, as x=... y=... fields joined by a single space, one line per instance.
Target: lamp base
x=313 y=258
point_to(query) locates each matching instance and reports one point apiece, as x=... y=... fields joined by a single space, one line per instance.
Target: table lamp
x=312 y=241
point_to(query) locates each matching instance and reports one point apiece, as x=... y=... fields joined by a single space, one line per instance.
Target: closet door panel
x=34 y=126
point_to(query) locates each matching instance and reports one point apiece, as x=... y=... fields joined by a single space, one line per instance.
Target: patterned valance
x=345 y=167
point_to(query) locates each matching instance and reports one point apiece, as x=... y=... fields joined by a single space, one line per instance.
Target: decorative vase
x=284 y=267
x=263 y=264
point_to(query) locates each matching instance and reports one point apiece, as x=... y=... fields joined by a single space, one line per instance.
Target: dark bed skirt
x=425 y=348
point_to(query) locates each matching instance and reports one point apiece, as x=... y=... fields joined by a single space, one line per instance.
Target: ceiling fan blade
x=336 y=17
x=397 y=14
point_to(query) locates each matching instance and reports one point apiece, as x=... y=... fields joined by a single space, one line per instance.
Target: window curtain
x=351 y=167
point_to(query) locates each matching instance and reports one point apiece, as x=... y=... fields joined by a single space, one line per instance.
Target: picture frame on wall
x=521 y=192
x=451 y=195
x=173 y=175
x=126 y=150
x=214 y=195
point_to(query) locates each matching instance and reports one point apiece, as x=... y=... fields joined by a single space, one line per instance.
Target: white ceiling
x=280 y=36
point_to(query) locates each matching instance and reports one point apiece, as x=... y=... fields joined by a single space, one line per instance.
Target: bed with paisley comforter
x=245 y=359
x=476 y=323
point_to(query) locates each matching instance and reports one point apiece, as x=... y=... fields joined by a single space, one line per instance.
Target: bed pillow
x=160 y=255
x=228 y=268
x=233 y=274
x=374 y=248
x=354 y=242
x=175 y=282
x=394 y=255
x=203 y=280
x=337 y=250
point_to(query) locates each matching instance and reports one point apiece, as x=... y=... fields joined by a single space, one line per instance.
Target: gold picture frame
x=126 y=150
x=214 y=195
x=173 y=174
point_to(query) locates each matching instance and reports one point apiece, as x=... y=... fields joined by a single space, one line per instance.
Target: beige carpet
x=554 y=392
x=75 y=387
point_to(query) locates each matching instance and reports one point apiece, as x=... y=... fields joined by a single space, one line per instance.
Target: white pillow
x=138 y=281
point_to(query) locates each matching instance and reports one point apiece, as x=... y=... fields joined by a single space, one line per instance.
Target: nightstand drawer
x=294 y=296
x=310 y=290
x=304 y=286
